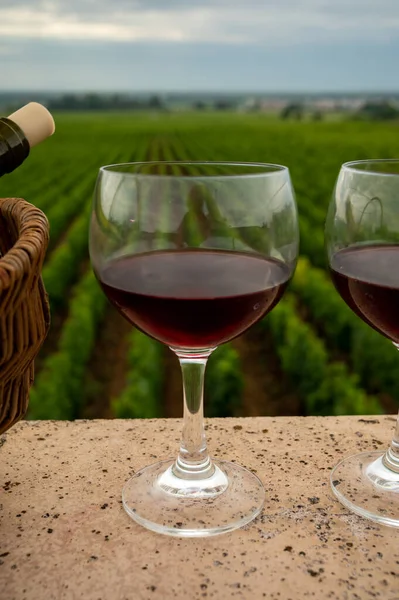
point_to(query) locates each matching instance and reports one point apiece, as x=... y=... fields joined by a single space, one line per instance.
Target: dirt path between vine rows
x=267 y=391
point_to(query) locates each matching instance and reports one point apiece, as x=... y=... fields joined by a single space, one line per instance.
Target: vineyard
x=309 y=356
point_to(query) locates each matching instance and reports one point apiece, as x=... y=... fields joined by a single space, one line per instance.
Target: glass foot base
x=364 y=485
x=193 y=510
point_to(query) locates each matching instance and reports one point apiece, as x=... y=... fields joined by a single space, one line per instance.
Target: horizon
x=204 y=92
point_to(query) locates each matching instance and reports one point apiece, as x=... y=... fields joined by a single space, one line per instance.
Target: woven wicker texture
x=24 y=308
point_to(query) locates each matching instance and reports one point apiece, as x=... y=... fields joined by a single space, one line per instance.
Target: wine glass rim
x=354 y=164
x=269 y=169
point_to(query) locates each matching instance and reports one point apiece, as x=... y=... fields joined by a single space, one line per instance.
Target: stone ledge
x=64 y=534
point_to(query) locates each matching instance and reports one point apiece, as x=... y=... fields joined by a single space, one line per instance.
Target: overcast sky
x=226 y=45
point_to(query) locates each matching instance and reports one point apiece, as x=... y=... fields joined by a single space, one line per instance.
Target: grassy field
x=309 y=356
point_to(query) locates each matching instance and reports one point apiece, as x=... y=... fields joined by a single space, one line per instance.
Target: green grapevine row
x=61 y=213
x=63 y=265
x=58 y=390
x=373 y=357
x=224 y=382
x=141 y=397
x=325 y=387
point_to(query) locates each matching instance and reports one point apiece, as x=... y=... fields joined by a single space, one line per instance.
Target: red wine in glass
x=367 y=278
x=194 y=298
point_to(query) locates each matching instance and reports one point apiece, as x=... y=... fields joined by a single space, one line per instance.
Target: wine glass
x=193 y=254
x=362 y=238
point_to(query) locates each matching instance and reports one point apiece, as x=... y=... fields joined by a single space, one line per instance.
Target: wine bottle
x=20 y=131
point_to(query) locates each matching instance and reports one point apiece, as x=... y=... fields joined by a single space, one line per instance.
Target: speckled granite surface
x=65 y=535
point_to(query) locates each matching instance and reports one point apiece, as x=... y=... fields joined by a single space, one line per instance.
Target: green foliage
x=378 y=111
x=60 y=214
x=293 y=111
x=62 y=268
x=58 y=390
x=223 y=383
x=371 y=356
x=141 y=397
x=325 y=387
x=327 y=308
x=312 y=241
x=342 y=389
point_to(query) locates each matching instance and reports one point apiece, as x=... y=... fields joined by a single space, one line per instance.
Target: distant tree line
x=216 y=105
x=93 y=102
x=378 y=111
x=369 y=111
x=298 y=111
x=101 y=102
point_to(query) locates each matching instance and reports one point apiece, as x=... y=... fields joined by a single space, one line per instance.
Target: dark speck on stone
x=288 y=549
x=313 y=573
x=49 y=530
x=104 y=506
x=237 y=427
x=314 y=500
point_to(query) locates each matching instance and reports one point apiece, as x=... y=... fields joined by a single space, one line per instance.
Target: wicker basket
x=24 y=308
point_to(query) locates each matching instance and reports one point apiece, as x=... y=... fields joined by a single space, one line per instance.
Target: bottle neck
x=14 y=147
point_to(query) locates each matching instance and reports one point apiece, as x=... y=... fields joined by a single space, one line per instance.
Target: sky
x=199 y=45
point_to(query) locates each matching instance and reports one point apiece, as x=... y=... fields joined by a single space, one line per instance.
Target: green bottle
x=20 y=131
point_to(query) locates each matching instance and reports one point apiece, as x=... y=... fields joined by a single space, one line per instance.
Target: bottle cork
x=35 y=121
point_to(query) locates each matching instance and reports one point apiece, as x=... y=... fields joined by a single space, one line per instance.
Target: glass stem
x=193 y=461
x=391 y=457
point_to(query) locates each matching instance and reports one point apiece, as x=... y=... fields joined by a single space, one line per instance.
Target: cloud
x=199 y=44
x=210 y=21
